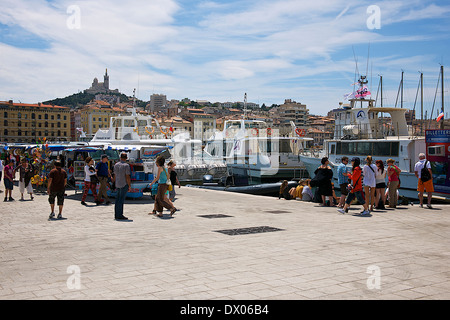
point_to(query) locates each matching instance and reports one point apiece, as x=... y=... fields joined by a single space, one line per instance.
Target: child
x=9 y=179
x=307 y=192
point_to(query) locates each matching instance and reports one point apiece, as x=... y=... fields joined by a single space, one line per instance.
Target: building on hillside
x=293 y=111
x=178 y=125
x=96 y=115
x=204 y=126
x=101 y=87
x=157 y=102
x=22 y=122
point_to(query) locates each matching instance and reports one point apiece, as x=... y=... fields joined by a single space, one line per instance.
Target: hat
x=104 y=156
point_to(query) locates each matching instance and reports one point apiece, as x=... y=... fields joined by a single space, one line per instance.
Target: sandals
x=173 y=211
x=153 y=212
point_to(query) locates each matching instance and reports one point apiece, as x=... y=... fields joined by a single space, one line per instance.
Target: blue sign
x=440 y=136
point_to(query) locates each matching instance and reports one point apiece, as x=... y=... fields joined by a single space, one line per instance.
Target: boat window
x=117 y=123
x=382 y=148
x=128 y=123
x=285 y=146
x=333 y=148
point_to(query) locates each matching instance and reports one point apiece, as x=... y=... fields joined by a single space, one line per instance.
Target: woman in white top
x=380 y=179
x=369 y=172
x=88 y=184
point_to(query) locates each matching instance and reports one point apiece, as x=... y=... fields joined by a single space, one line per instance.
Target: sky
x=307 y=51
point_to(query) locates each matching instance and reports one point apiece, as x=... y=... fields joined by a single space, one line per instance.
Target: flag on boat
x=171 y=126
x=440 y=116
x=362 y=92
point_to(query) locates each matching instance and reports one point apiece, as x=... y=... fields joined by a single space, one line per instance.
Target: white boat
x=360 y=131
x=255 y=153
x=136 y=131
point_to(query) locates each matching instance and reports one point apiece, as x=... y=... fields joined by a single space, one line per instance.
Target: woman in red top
x=356 y=191
x=393 y=173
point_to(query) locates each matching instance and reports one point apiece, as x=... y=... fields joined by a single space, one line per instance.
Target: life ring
x=300 y=132
x=269 y=131
x=150 y=133
x=255 y=130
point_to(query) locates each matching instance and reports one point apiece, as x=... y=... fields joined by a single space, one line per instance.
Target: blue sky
x=220 y=50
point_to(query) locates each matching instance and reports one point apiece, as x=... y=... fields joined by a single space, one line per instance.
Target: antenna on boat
x=245 y=106
x=133 y=112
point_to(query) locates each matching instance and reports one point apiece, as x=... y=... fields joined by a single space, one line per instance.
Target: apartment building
x=26 y=123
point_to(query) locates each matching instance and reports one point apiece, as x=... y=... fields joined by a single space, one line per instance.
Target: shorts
x=343 y=189
x=352 y=196
x=8 y=184
x=425 y=186
x=56 y=194
x=381 y=185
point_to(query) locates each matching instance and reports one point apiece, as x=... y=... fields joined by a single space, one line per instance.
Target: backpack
x=425 y=173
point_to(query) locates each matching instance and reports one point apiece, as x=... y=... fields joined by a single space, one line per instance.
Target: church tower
x=106 y=80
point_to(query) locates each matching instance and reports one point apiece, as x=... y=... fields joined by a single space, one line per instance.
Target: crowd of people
x=366 y=184
x=119 y=179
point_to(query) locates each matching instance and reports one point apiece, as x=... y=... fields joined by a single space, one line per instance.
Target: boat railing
x=313 y=153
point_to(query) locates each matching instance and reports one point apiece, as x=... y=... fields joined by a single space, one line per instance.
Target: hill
x=82 y=98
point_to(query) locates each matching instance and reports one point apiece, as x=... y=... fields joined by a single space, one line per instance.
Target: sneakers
x=52 y=216
x=11 y=199
x=83 y=203
x=429 y=206
x=365 y=213
x=341 y=210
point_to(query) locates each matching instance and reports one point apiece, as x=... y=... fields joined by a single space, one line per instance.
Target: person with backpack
x=423 y=172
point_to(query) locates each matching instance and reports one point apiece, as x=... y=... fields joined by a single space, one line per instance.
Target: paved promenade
x=306 y=251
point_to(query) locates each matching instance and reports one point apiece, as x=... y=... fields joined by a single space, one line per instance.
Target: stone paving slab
x=318 y=253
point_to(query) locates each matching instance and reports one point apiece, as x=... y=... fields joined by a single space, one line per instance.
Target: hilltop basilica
x=101 y=87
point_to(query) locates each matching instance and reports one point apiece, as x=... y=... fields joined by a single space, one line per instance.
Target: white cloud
x=207 y=50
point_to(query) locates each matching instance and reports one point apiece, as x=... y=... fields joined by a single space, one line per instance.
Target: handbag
x=350 y=186
x=168 y=182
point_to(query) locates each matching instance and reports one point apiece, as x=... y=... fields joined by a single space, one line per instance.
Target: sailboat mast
x=442 y=89
x=421 y=103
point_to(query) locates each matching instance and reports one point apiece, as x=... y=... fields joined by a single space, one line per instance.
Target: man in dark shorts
x=342 y=173
x=57 y=180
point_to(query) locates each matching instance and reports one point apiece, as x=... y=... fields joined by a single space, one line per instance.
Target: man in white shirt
x=423 y=186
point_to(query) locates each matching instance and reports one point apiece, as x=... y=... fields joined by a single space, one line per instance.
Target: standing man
x=57 y=180
x=423 y=172
x=122 y=178
x=103 y=174
x=342 y=173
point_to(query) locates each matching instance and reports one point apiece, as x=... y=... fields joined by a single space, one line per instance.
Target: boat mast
x=421 y=103
x=442 y=88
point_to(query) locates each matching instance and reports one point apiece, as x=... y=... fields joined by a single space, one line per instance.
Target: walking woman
x=369 y=172
x=25 y=173
x=380 y=179
x=160 y=201
x=356 y=189
x=89 y=171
